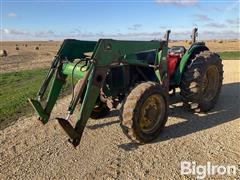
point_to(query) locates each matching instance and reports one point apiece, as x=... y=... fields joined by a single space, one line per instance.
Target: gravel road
x=30 y=150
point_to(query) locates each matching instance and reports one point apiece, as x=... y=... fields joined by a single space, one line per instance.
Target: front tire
x=144 y=112
x=100 y=109
x=202 y=81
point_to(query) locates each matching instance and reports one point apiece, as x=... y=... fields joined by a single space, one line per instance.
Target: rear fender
x=191 y=53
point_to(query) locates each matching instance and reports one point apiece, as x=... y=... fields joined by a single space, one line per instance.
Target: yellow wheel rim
x=211 y=83
x=151 y=113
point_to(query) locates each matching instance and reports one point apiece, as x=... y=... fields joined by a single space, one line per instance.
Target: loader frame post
x=92 y=92
x=46 y=81
x=55 y=90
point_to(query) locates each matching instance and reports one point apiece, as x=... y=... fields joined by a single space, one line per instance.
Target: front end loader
x=136 y=74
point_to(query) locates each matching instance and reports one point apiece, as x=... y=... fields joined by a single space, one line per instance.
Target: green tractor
x=138 y=75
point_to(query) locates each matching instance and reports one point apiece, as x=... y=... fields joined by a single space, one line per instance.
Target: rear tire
x=144 y=112
x=202 y=81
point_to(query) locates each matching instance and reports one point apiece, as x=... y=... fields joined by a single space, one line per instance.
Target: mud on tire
x=132 y=116
x=202 y=81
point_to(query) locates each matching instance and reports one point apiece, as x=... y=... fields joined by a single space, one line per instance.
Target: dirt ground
x=30 y=150
x=30 y=58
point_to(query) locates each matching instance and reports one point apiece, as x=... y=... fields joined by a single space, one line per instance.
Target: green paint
x=72 y=49
x=67 y=69
x=110 y=51
x=178 y=73
x=89 y=100
x=39 y=110
x=55 y=90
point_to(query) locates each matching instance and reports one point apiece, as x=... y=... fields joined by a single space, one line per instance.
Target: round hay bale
x=25 y=45
x=16 y=44
x=3 y=53
x=39 y=44
x=37 y=48
x=17 y=48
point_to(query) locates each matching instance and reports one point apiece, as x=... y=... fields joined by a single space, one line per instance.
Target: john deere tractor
x=138 y=75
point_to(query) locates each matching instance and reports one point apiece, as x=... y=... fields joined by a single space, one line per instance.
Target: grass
x=234 y=55
x=16 y=88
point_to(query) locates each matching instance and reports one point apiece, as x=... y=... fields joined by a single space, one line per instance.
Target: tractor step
x=39 y=110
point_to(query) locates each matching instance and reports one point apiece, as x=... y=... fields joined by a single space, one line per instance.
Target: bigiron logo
x=209 y=169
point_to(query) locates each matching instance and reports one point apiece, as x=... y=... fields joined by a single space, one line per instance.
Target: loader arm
x=106 y=53
x=70 y=49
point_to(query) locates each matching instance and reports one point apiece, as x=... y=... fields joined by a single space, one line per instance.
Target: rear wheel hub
x=211 y=83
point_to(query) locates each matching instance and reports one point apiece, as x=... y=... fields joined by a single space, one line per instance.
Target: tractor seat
x=174 y=56
x=177 y=51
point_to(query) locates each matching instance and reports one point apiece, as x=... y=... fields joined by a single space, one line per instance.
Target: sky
x=118 y=19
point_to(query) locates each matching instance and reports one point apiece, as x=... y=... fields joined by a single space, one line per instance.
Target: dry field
x=27 y=57
x=30 y=150
x=215 y=45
